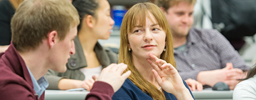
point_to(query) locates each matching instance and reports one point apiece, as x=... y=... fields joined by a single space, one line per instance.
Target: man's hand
x=228 y=75
x=113 y=75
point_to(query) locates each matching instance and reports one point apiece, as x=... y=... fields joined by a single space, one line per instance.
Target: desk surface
x=80 y=95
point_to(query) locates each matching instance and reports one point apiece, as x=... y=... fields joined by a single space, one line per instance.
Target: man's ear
x=89 y=20
x=52 y=38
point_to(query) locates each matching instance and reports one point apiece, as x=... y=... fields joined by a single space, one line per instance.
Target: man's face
x=180 y=18
x=62 y=51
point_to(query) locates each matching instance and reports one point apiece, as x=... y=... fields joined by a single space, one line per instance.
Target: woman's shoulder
x=251 y=82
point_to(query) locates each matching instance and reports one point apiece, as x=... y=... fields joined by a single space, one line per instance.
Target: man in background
x=201 y=54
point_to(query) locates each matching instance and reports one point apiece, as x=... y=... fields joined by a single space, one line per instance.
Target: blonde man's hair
x=166 y=4
x=137 y=15
x=34 y=19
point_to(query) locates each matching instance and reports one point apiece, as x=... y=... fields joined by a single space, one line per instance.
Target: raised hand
x=168 y=78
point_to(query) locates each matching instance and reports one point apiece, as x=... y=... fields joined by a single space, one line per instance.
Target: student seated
x=201 y=54
x=146 y=47
x=90 y=58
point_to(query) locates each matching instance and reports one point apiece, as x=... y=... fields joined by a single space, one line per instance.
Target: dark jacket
x=78 y=61
x=6 y=13
x=15 y=80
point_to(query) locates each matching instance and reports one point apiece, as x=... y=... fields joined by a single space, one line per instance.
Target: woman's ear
x=89 y=21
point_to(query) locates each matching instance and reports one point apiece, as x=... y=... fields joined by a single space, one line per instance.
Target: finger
x=120 y=69
x=154 y=65
x=199 y=86
x=86 y=86
x=189 y=84
x=126 y=75
x=108 y=68
x=116 y=67
x=157 y=77
x=94 y=77
x=160 y=62
x=168 y=68
x=193 y=86
x=153 y=57
x=238 y=71
x=229 y=66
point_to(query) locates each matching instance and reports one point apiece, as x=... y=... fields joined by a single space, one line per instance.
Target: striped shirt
x=206 y=50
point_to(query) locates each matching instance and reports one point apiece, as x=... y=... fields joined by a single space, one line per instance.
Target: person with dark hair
x=95 y=23
x=147 y=49
x=7 y=10
x=201 y=54
x=246 y=90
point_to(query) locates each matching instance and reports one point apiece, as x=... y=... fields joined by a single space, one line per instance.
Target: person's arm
x=60 y=83
x=100 y=91
x=229 y=75
x=109 y=81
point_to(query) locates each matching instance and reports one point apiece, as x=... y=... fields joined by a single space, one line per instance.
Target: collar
x=78 y=60
x=191 y=39
x=40 y=85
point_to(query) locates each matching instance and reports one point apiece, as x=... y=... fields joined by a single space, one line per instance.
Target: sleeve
x=100 y=91
x=244 y=91
x=53 y=79
x=225 y=50
x=16 y=91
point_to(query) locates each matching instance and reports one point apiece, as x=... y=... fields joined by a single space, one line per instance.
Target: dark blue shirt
x=129 y=91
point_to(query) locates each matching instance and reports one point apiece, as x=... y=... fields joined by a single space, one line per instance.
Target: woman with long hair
x=146 y=47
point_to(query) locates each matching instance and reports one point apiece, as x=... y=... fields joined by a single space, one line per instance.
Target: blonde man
x=43 y=33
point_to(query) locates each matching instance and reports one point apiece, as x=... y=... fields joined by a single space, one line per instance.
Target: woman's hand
x=168 y=78
x=87 y=84
x=194 y=85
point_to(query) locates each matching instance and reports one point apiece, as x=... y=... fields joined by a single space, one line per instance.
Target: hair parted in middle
x=136 y=15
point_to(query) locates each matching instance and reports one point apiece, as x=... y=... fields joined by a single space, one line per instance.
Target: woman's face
x=147 y=39
x=104 y=22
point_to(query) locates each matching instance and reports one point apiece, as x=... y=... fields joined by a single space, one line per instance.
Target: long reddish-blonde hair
x=137 y=14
